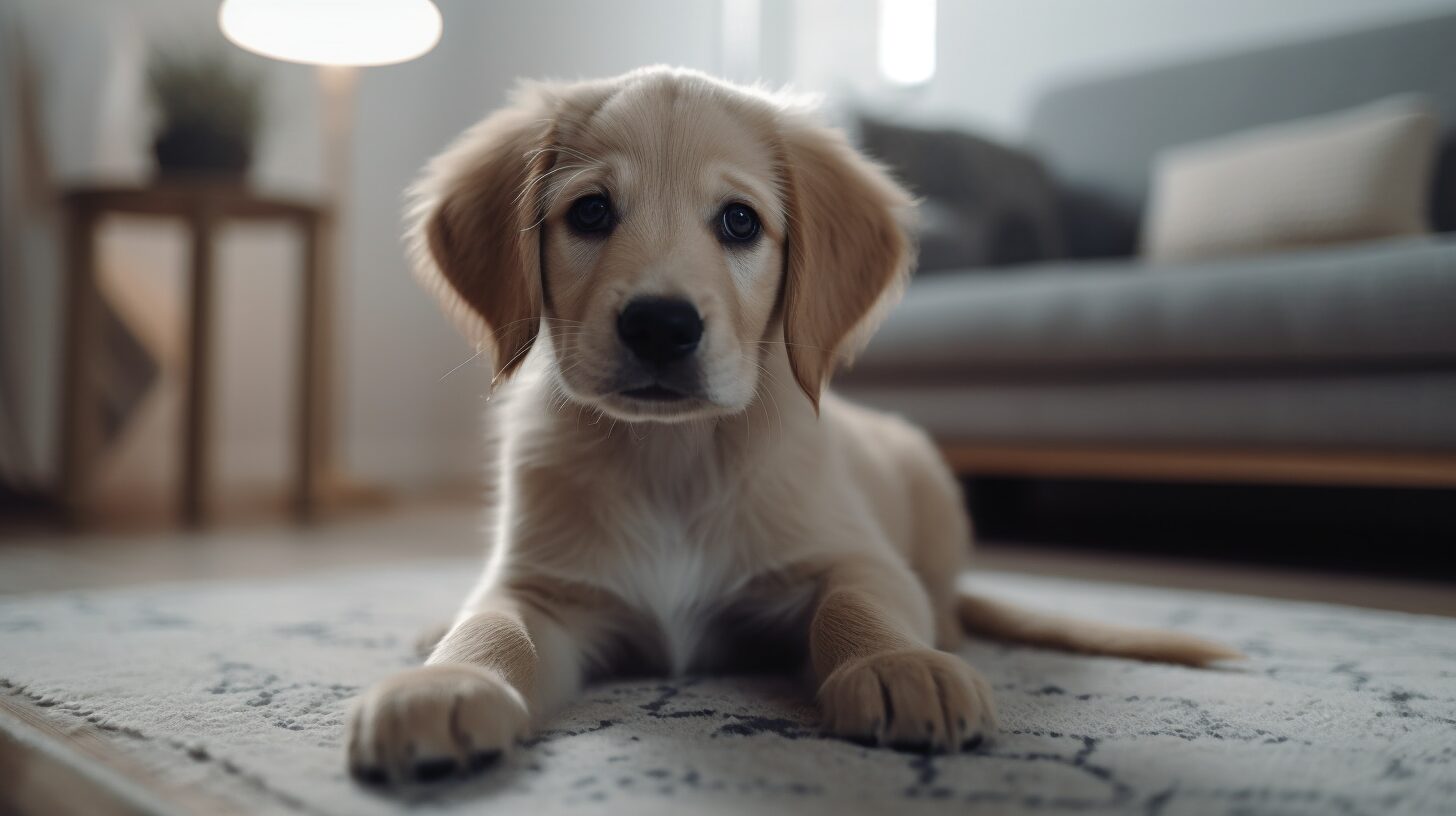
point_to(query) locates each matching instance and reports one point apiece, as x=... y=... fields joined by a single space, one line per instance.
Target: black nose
x=660 y=330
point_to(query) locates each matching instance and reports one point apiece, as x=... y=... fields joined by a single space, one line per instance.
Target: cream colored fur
x=763 y=518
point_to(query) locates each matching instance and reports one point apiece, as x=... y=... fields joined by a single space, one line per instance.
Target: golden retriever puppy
x=666 y=269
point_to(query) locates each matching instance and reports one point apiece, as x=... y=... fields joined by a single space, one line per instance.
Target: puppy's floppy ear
x=848 y=250
x=474 y=228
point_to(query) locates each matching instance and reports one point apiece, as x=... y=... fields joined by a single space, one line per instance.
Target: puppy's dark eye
x=591 y=213
x=739 y=223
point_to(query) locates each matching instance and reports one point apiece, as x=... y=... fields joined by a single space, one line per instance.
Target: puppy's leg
x=880 y=680
x=940 y=550
x=495 y=669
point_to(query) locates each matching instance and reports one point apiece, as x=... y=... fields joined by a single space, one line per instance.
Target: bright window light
x=907 y=40
x=332 y=32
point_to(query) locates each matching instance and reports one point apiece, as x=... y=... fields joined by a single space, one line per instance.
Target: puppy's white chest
x=680 y=585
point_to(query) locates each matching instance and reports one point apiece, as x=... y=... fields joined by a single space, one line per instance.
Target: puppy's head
x=661 y=232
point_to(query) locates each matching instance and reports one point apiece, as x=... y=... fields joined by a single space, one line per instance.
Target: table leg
x=308 y=428
x=195 y=431
x=79 y=427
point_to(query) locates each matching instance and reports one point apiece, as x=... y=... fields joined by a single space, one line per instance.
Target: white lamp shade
x=907 y=41
x=332 y=32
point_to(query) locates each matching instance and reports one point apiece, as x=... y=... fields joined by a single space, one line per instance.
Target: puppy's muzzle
x=660 y=331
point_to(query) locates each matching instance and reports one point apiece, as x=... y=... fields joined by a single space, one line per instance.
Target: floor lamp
x=339 y=36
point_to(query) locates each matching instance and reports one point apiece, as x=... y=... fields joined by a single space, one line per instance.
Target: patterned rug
x=242 y=688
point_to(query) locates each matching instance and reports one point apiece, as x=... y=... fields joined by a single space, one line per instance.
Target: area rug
x=242 y=689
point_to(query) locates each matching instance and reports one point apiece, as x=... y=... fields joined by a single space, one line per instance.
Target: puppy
x=665 y=270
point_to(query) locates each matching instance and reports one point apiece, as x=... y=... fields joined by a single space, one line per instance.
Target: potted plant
x=208 y=113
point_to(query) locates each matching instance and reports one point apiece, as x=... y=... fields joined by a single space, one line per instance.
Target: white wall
x=996 y=56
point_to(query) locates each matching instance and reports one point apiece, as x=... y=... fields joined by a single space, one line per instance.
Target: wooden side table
x=202 y=206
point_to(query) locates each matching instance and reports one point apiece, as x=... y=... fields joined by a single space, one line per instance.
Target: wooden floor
x=40 y=560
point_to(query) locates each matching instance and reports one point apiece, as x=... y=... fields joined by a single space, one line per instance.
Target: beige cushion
x=1358 y=174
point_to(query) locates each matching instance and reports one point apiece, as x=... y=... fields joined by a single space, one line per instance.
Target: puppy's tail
x=1005 y=621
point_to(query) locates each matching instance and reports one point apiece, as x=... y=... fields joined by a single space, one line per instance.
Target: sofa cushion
x=983 y=203
x=1356 y=175
x=1379 y=305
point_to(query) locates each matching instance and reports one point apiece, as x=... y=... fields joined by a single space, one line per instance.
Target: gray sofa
x=1337 y=364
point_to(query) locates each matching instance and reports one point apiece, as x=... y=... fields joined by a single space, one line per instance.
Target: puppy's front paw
x=430 y=723
x=916 y=699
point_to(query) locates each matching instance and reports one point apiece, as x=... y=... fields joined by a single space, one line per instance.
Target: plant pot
x=200 y=152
